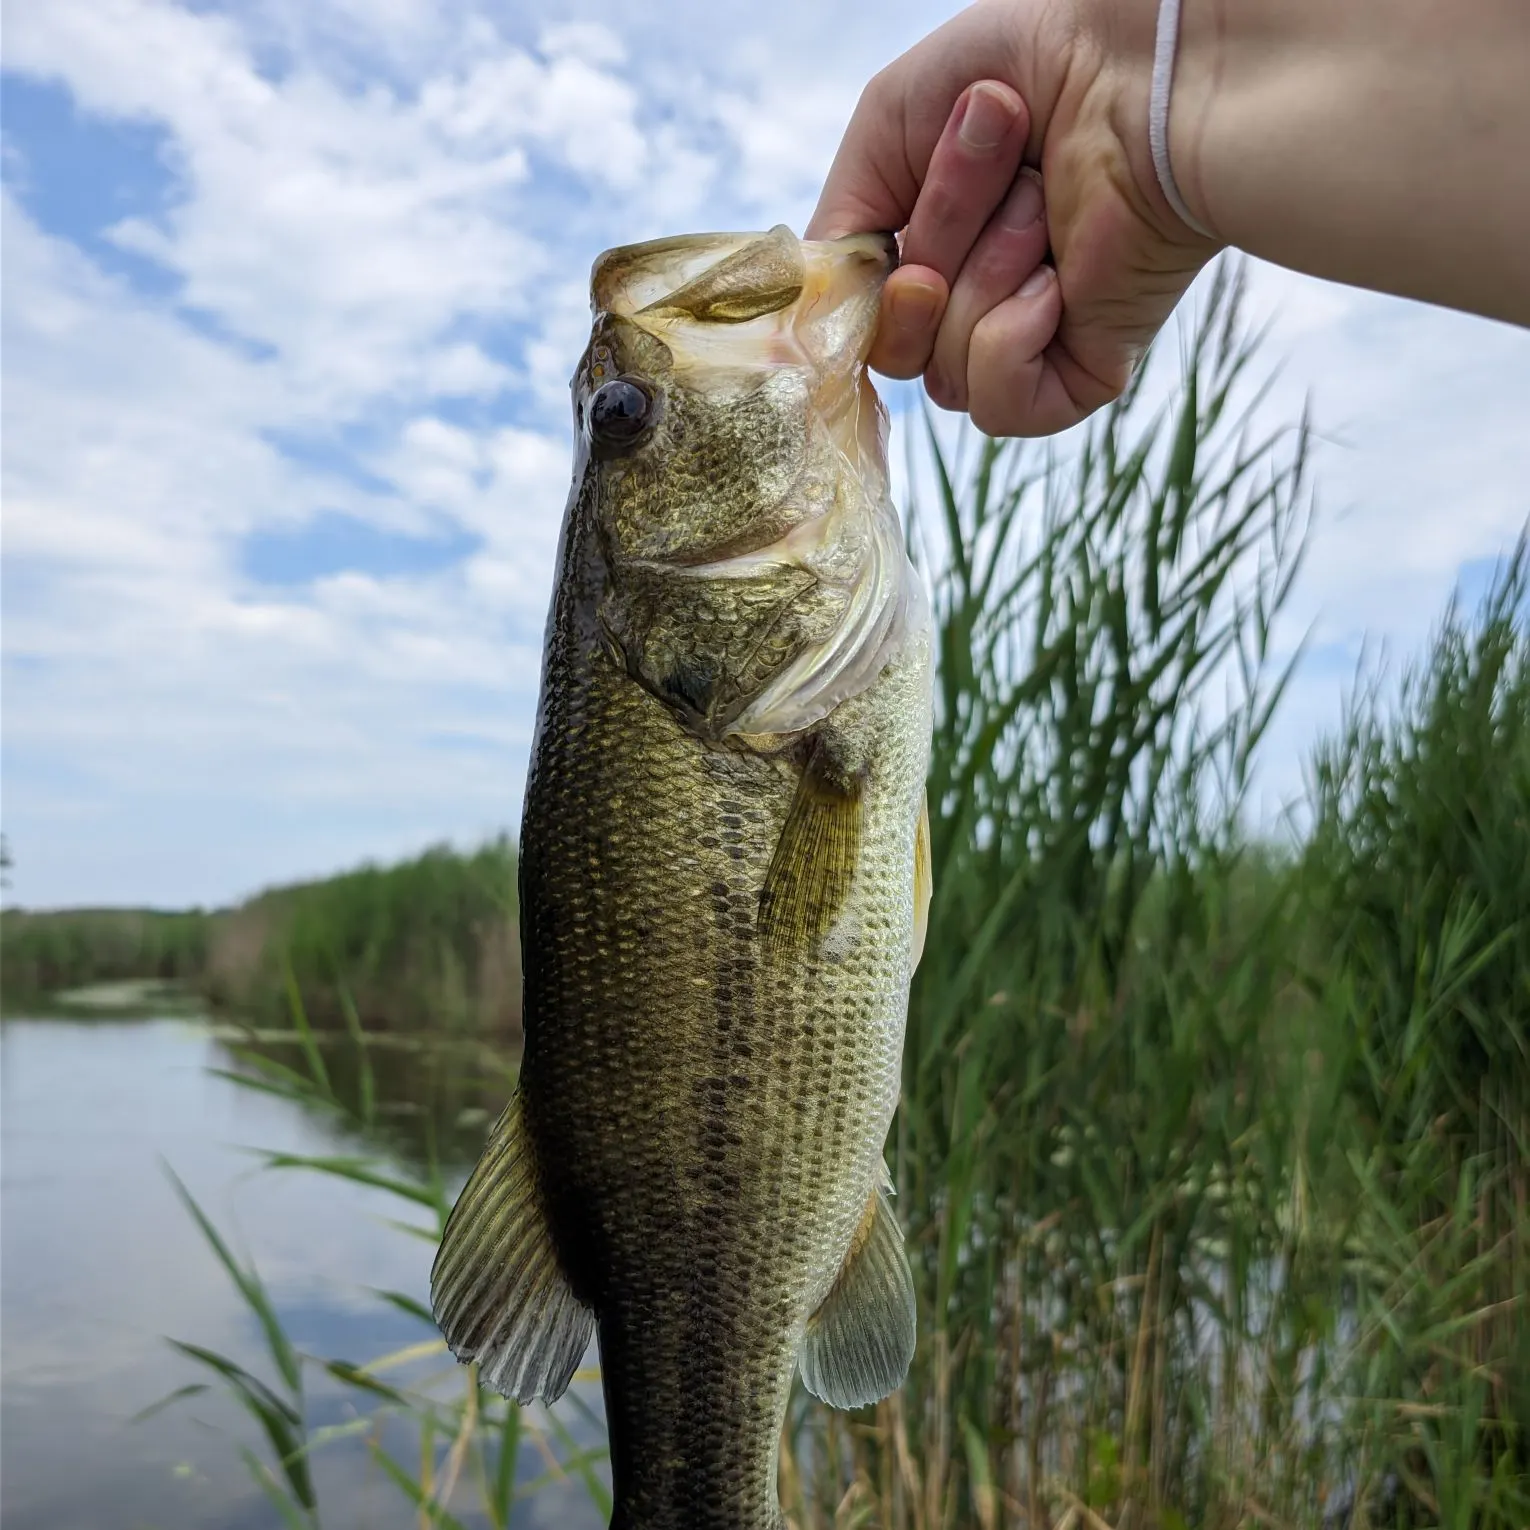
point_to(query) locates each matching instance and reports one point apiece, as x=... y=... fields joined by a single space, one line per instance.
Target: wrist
x=1207 y=68
x=1355 y=140
x=1116 y=45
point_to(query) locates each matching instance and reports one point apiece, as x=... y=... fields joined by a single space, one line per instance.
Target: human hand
x=945 y=145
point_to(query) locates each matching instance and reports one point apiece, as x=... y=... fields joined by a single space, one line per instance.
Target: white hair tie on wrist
x=1164 y=46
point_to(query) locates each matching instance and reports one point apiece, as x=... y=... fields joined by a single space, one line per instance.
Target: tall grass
x=1211 y=1152
x=424 y=944
x=44 y=953
x=1419 y=882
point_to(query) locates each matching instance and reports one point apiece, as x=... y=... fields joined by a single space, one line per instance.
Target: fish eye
x=619 y=412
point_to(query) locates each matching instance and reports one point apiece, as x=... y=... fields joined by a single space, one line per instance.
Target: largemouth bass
x=723 y=878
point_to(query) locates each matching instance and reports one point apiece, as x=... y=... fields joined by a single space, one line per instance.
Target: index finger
x=870 y=186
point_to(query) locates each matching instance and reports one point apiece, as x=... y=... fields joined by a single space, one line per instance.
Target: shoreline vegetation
x=1213 y=1155
x=431 y=943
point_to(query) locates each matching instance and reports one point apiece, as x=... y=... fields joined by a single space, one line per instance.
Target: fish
x=724 y=880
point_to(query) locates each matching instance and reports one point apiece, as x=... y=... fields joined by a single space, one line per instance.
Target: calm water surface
x=99 y=1264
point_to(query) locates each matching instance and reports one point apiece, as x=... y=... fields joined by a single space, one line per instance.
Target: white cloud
x=136 y=458
x=396 y=204
x=779 y=127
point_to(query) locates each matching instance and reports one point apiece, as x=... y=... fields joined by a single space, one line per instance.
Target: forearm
x=1380 y=142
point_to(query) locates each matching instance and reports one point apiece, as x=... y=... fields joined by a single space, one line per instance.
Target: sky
x=292 y=291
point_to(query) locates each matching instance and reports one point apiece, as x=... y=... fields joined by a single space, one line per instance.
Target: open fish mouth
x=733 y=278
x=723 y=303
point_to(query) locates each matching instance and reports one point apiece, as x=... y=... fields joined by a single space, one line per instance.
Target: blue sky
x=291 y=295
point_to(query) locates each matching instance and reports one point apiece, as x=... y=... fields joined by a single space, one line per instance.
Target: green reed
x=451 y=1449
x=426 y=943
x=44 y=953
x=1211 y=1153
x=1418 y=880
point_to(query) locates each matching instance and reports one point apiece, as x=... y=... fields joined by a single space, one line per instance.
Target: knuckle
x=942 y=388
x=879 y=92
x=941 y=204
x=995 y=418
x=1002 y=260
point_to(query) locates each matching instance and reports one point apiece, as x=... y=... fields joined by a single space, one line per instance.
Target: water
x=100 y=1263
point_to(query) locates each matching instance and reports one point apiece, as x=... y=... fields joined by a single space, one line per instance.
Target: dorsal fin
x=497 y=1289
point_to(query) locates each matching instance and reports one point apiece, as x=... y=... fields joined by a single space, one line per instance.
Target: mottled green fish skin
x=707 y=1109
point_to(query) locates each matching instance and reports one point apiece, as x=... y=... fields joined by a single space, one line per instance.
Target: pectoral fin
x=924 y=884
x=497 y=1289
x=814 y=864
x=859 y=1343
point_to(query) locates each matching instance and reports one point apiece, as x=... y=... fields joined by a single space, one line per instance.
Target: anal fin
x=860 y=1342
x=497 y=1290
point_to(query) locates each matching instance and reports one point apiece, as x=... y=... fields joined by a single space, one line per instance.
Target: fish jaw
x=831 y=285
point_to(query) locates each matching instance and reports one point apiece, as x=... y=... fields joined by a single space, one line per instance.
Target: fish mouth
x=726 y=301
x=887 y=245
x=842 y=292
x=731 y=309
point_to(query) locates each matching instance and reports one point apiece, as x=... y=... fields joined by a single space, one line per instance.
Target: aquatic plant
x=42 y=953
x=425 y=943
x=455 y=1452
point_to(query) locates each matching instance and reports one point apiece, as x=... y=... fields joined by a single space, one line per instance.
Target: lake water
x=100 y=1264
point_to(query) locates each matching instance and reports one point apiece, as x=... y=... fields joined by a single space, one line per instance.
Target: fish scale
x=718 y=936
